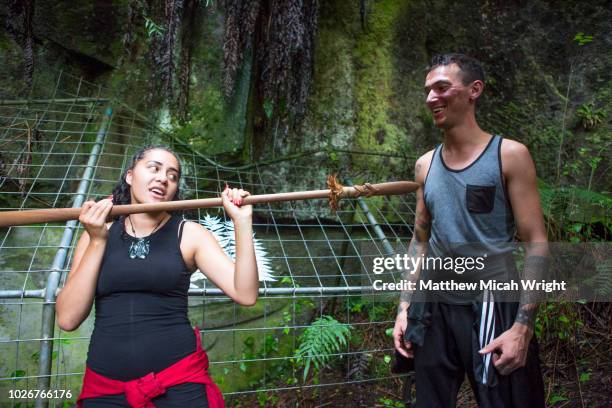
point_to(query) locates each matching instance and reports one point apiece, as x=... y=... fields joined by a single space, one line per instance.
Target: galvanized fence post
x=372 y=220
x=59 y=262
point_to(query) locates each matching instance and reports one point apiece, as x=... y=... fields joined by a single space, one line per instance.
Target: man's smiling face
x=447 y=97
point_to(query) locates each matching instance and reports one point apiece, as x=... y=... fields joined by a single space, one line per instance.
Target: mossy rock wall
x=367 y=89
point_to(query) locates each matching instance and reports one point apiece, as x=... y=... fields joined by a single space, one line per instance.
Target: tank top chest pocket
x=479 y=199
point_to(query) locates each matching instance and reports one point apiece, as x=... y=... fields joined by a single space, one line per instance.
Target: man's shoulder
x=515 y=157
x=422 y=166
x=513 y=149
x=426 y=157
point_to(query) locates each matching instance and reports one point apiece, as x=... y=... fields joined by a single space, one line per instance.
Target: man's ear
x=476 y=89
x=128 y=177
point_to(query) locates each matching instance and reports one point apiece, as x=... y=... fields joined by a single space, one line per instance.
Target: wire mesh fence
x=61 y=147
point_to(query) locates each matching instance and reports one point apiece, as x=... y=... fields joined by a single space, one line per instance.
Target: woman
x=137 y=269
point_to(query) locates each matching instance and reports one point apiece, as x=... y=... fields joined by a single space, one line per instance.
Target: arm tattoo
x=423 y=224
x=410 y=275
x=535 y=269
x=401 y=307
x=418 y=245
x=526 y=315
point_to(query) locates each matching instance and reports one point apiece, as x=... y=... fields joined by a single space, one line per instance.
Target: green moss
x=331 y=107
x=248 y=343
x=216 y=124
x=391 y=207
x=210 y=129
x=373 y=55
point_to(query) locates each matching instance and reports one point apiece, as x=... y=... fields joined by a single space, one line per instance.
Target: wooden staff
x=335 y=192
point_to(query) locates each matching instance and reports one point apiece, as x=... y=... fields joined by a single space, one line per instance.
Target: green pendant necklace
x=139 y=248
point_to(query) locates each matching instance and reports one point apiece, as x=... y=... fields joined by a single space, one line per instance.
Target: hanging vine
x=163 y=20
x=173 y=14
x=23 y=160
x=281 y=34
x=170 y=30
x=129 y=43
x=19 y=26
x=187 y=44
x=240 y=18
x=287 y=58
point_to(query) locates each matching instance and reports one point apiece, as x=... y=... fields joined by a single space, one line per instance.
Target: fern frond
x=574 y=204
x=602 y=280
x=323 y=338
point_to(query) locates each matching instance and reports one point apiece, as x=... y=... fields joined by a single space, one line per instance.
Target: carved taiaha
x=334 y=193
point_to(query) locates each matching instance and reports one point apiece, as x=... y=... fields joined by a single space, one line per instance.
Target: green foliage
x=575 y=210
x=268 y=107
x=374 y=308
x=590 y=117
x=390 y=403
x=559 y=320
x=583 y=39
x=356 y=305
x=556 y=398
x=269 y=345
x=601 y=282
x=153 y=30
x=18 y=373
x=266 y=399
x=279 y=370
x=324 y=337
x=211 y=127
x=585 y=376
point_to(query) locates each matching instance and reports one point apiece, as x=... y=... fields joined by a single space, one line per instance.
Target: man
x=476 y=191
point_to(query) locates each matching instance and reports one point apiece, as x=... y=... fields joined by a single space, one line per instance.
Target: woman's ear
x=128 y=177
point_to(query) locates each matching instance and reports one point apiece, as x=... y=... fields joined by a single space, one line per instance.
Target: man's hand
x=510 y=348
x=401 y=323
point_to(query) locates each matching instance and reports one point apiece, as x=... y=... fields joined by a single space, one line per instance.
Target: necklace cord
x=154 y=229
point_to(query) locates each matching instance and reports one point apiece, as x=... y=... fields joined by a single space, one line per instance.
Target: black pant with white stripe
x=450 y=351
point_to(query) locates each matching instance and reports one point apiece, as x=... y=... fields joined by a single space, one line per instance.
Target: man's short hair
x=471 y=68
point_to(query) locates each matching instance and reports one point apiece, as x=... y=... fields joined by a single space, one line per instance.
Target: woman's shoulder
x=197 y=232
x=192 y=228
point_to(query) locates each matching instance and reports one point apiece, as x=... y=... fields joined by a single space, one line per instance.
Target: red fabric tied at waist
x=140 y=392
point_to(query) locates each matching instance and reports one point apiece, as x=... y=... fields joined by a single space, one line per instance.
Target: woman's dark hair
x=122 y=191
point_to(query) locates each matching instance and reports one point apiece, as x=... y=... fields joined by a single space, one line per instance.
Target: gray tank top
x=470 y=211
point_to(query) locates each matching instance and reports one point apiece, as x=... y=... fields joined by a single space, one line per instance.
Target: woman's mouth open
x=157 y=192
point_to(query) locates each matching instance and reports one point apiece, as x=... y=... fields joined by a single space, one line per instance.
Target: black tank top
x=141 y=321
